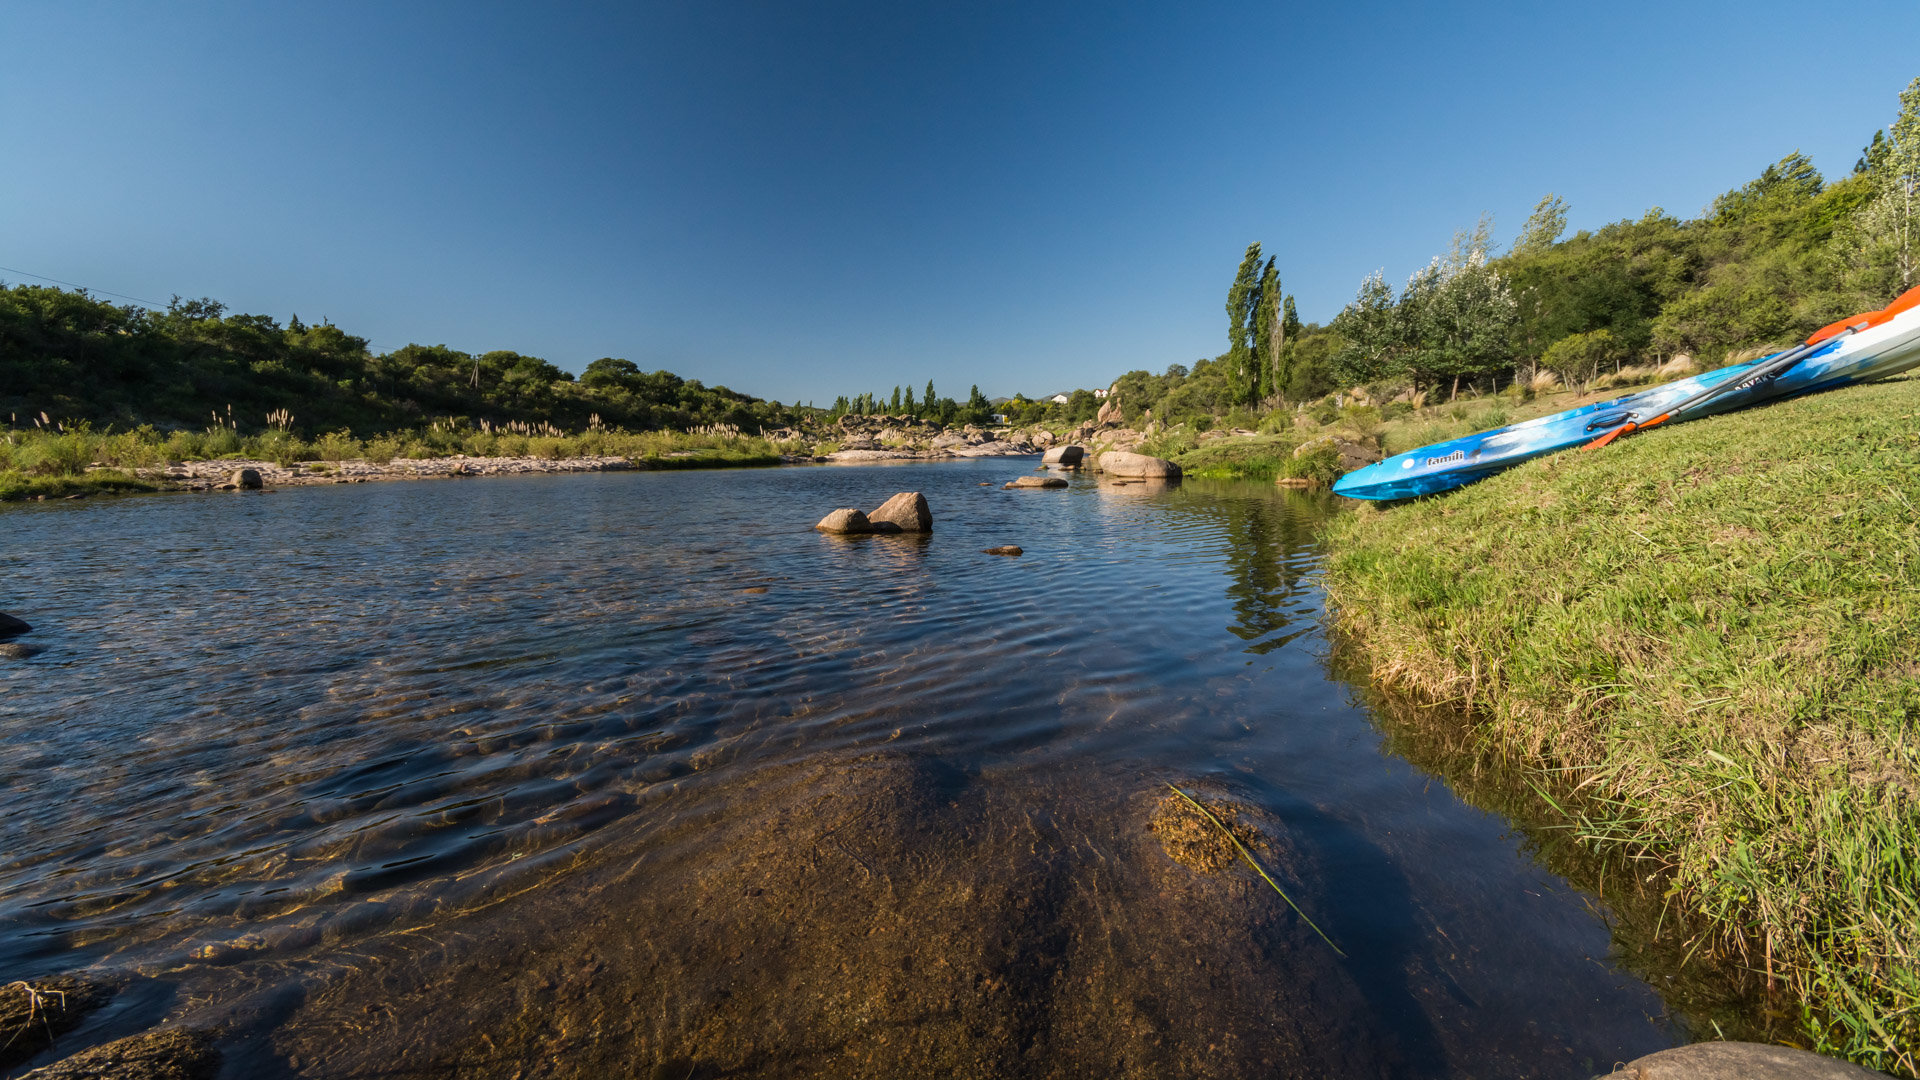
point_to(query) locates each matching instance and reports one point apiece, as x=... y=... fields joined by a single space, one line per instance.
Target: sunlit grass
x=1712 y=629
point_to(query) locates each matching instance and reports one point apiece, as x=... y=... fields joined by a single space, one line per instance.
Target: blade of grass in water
x=1255 y=863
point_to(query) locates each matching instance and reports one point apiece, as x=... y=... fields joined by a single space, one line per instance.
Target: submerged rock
x=1127 y=463
x=1035 y=482
x=175 y=1054
x=34 y=1012
x=908 y=510
x=845 y=521
x=10 y=626
x=14 y=650
x=1003 y=549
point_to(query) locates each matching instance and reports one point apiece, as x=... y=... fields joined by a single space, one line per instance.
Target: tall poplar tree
x=1242 y=299
x=1266 y=334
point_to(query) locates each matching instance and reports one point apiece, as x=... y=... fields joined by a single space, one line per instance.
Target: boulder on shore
x=246 y=479
x=1739 y=1061
x=845 y=521
x=1035 y=482
x=1353 y=454
x=908 y=510
x=1064 y=455
x=10 y=626
x=1126 y=463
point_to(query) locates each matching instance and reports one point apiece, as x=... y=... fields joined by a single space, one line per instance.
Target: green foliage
x=1578 y=358
x=74 y=357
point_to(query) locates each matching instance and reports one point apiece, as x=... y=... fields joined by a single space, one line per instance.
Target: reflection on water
x=597 y=775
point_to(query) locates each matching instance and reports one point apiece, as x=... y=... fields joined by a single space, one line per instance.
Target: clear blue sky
x=798 y=200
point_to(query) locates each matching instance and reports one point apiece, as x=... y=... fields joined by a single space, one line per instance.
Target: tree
x=895 y=407
x=909 y=402
x=1242 y=298
x=1266 y=334
x=1577 y=358
x=1543 y=227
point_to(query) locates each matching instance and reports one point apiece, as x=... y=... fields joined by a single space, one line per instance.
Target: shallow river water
x=634 y=774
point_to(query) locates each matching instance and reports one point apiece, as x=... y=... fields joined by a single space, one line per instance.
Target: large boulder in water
x=1143 y=466
x=908 y=510
x=845 y=521
x=246 y=479
x=9 y=626
x=1064 y=455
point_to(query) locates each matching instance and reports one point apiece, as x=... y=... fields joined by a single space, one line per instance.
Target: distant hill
x=75 y=357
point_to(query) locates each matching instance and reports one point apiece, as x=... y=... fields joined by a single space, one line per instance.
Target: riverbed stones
x=1143 y=466
x=908 y=510
x=1069 y=456
x=1739 y=1061
x=245 y=479
x=9 y=626
x=845 y=521
x=1035 y=482
x=1003 y=549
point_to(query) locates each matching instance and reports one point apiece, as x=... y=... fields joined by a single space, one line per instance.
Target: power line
x=72 y=285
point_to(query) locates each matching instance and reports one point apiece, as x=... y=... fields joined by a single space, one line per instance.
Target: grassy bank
x=1704 y=640
x=79 y=460
x=16 y=485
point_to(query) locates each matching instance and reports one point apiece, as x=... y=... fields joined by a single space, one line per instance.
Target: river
x=633 y=774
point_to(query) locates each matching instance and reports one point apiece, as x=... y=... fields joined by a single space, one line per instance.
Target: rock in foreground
x=156 y=1055
x=908 y=510
x=845 y=521
x=1126 y=463
x=1035 y=482
x=34 y=1014
x=10 y=626
x=1739 y=1061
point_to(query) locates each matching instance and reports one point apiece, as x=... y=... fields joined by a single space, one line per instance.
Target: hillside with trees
x=1764 y=264
x=78 y=358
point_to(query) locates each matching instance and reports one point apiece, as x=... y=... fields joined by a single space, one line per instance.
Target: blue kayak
x=1856 y=355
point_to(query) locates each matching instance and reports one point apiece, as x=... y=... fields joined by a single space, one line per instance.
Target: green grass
x=1705 y=642
x=15 y=485
x=1255 y=456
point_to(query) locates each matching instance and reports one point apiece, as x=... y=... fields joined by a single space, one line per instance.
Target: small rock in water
x=908 y=510
x=245 y=479
x=1003 y=549
x=845 y=521
x=13 y=650
x=10 y=626
x=1036 y=482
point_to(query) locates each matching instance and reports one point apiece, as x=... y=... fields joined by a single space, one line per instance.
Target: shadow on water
x=1710 y=995
x=645 y=778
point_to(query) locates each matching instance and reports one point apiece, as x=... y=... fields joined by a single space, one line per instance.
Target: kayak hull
x=1875 y=353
